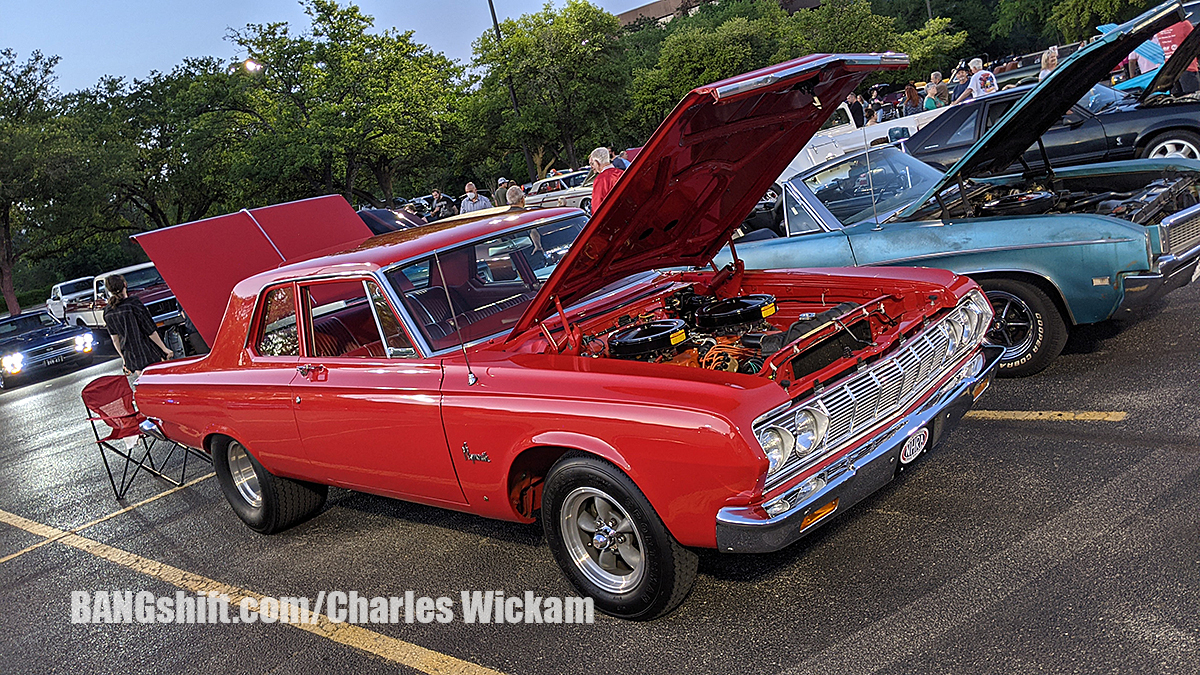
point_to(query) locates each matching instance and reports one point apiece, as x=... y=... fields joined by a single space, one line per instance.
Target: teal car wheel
x=1027 y=325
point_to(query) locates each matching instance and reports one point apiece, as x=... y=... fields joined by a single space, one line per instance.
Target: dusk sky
x=130 y=38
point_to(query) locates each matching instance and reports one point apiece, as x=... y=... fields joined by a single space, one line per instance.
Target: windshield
x=846 y=189
x=142 y=278
x=76 y=287
x=1101 y=97
x=26 y=323
x=483 y=288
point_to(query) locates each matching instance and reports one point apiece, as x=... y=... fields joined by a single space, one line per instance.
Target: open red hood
x=203 y=260
x=702 y=172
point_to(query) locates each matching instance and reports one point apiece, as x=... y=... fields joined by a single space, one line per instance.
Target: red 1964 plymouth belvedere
x=593 y=373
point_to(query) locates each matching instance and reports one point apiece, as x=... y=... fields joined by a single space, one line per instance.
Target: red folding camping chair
x=109 y=400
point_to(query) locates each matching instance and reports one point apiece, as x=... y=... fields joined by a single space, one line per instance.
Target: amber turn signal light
x=819 y=514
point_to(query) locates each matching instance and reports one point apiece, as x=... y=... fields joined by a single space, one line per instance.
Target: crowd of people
x=605 y=163
x=971 y=80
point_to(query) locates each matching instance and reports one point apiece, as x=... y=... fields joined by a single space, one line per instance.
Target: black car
x=1106 y=124
x=37 y=341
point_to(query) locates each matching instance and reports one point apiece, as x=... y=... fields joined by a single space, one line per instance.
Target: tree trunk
x=383 y=176
x=8 y=260
x=570 y=143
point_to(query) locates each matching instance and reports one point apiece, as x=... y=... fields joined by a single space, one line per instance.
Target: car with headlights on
x=591 y=374
x=1053 y=248
x=34 y=342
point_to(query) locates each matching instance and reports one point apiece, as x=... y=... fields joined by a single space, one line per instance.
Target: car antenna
x=871 y=180
x=471 y=379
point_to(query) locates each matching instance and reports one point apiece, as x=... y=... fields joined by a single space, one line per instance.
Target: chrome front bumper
x=751 y=530
x=1174 y=271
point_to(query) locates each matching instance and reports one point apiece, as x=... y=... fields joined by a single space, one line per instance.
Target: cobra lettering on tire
x=1027 y=324
x=610 y=543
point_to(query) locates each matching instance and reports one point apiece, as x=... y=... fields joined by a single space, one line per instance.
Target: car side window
x=277 y=334
x=965 y=133
x=799 y=220
x=395 y=339
x=996 y=110
x=340 y=321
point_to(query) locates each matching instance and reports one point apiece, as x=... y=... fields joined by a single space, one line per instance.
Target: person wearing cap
x=502 y=186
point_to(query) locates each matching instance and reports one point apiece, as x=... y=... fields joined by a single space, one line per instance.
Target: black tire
x=1186 y=141
x=1031 y=347
x=586 y=205
x=667 y=568
x=283 y=502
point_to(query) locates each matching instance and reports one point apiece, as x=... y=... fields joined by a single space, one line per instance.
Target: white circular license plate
x=914 y=446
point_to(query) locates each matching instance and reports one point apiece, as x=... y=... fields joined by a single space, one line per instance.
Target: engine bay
x=751 y=333
x=1144 y=205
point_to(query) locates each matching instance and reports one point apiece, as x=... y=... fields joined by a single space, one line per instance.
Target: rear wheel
x=265 y=502
x=610 y=543
x=1174 y=143
x=1027 y=325
x=586 y=205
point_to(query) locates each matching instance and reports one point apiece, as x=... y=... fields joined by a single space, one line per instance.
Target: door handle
x=309 y=368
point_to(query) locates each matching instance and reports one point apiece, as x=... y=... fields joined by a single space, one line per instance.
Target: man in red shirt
x=606 y=175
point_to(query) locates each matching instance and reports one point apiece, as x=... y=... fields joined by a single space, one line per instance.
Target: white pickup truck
x=67 y=292
x=143 y=282
x=839 y=136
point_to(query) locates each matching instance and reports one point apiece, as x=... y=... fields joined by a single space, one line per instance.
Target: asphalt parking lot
x=1031 y=541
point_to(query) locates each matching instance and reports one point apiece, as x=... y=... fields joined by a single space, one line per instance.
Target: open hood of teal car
x=1045 y=104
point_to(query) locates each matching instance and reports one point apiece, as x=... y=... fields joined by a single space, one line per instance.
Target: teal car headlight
x=777 y=444
x=13 y=363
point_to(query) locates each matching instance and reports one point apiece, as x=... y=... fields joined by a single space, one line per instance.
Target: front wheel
x=610 y=543
x=265 y=502
x=586 y=205
x=1027 y=325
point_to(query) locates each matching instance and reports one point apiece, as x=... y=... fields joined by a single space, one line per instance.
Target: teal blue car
x=1052 y=247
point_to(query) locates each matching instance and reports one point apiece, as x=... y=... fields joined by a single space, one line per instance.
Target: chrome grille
x=46 y=349
x=1181 y=232
x=862 y=400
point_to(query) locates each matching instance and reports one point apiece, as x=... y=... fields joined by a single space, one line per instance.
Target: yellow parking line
x=1054 y=415
x=351 y=635
x=114 y=514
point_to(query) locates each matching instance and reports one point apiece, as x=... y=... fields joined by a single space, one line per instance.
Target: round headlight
x=810 y=429
x=977 y=313
x=777 y=444
x=954 y=333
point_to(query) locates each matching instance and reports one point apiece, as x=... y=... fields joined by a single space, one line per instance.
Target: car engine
x=731 y=334
x=1144 y=205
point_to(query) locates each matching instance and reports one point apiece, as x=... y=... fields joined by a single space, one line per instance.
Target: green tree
x=568 y=73
x=38 y=157
x=1065 y=20
x=341 y=109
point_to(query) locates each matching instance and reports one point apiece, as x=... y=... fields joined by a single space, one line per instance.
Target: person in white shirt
x=982 y=82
